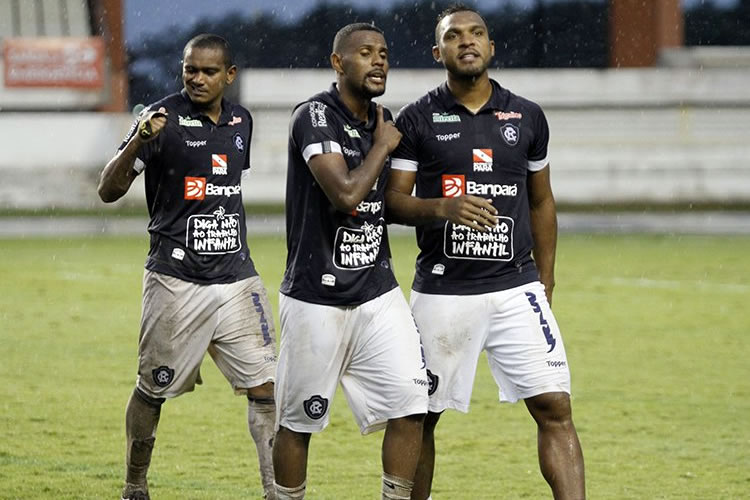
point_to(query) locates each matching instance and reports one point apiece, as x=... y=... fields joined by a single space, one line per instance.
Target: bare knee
x=551 y=409
x=261 y=392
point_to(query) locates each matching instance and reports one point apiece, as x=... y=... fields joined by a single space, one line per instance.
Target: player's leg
x=453 y=329
x=314 y=348
x=386 y=386
x=560 y=455
x=141 y=420
x=426 y=463
x=170 y=351
x=290 y=452
x=244 y=349
x=527 y=357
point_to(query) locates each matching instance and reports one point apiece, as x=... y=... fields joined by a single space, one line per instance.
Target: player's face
x=205 y=76
x=364 y=63
x=464 y=46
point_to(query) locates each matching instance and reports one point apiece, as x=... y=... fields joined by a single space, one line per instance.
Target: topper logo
x=453 y=185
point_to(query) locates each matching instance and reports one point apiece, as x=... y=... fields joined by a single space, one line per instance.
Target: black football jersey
x=487 y=154
x=333 y=258
x=193 y=172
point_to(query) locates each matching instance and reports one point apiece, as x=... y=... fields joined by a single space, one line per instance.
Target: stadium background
x=649 y=107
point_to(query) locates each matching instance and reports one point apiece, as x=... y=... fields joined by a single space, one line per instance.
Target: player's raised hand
x=152 y=124
x=386 y=131
x=472 y=211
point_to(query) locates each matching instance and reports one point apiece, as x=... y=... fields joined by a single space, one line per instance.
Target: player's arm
x=543 y=227
x=347 y=188
x=119 y=174
x=403 y=208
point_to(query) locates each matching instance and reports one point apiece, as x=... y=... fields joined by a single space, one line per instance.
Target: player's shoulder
x=522 y=103
x=171 y=102
x=319 y=110
x=423 y=106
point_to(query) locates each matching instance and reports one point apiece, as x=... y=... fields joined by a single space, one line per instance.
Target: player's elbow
x=107 y=193
x=345 y=202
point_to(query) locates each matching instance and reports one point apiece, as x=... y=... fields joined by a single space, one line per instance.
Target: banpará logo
x=445 y=118
x=317 y=112
x=369 y=207
x=453 y=185
x=196 y=188
x=195 y=144
x=448 y=137
x=476 y=188
x=189 y=122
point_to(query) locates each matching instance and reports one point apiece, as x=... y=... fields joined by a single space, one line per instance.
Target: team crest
x=510 y=134
x=434 y=379
x=238 y=142
x=315 y=407
x=163 y=375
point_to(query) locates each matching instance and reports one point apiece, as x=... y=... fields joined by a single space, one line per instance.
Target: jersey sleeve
x=147 y=150
x=314 y=130
x=538 y=150
x=248 y=163
x=404 y=157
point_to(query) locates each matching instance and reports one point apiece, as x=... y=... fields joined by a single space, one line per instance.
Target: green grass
x=656 y=329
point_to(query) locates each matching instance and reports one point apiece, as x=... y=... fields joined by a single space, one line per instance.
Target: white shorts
x=515 y=327
x=182 y=320
x=373 y=349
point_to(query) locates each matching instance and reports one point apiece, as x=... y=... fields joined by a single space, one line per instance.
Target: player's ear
x=492 y=48
x=336 y=64
x=231 y=74
x=436 y=53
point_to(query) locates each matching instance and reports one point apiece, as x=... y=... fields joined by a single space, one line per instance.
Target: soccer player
x=343 y=317
x=483 y=206
x=201 y=291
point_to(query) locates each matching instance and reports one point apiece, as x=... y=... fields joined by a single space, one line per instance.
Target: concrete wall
x=653 y=135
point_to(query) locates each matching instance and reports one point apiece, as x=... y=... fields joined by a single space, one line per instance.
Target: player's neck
x=212 y=110
x=472 y=93
x=357 y=104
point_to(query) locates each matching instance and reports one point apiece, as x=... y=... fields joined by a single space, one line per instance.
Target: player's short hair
x=344 y=33
x=457 y=7
x=211 y=41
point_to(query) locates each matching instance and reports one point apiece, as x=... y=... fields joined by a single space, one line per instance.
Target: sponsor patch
x=317 y=112
x=482 y=160
x=438 y=269
x=195 y=144
x=219 y=164
x=315 y=407
x=445 y=118
x=350 y=152
x=195 y=188
x=352 y=132
x=178 y=253
x=358 y=248
x=239 y=143
x=508 y=115
x=188 y=122
x=453 y=185
x=212 y=234
x=463 y=242
x=510 y=134
x=235 y=120
x=262 y=319
x=163 y=375
x=328 y=280
x=448 y=137
x=494 y=190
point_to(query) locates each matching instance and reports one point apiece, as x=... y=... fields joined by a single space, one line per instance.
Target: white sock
x=261 y=419
x=396 y=488
x=284 y=493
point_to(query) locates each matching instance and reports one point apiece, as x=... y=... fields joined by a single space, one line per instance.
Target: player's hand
x=472 y=211
x=386 y=131
x=152 y=124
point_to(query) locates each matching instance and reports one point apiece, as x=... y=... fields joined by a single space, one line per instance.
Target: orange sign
x=54 y=62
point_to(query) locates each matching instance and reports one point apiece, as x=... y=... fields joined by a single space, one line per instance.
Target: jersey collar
x=226 y=109
x=496 y=101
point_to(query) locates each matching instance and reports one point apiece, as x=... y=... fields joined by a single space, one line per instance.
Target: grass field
x=656 y=330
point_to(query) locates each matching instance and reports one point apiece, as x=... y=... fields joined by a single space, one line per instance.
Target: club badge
x=163 y=375
x=315 y=407
x=510 y=134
